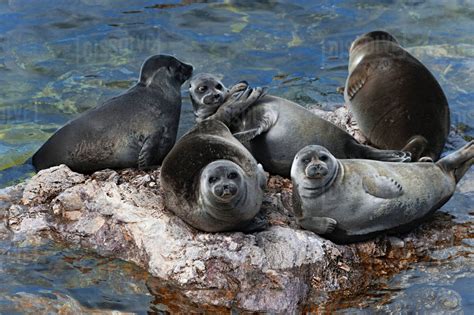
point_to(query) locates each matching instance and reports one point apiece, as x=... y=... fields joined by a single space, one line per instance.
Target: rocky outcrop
x=281 y=269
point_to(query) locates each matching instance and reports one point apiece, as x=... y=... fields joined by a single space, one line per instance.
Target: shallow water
x=58 y=59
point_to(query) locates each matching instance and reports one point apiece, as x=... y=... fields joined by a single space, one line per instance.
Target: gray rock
x=282 y=269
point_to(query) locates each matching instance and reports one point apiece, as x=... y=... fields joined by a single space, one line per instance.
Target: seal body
x=396 y=101
x=135 y=129
x=275 y=129
x=353 y=200
x=211 y=181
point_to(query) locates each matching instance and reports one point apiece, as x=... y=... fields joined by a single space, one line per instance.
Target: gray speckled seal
x=211 y=181
x=396 y=101
x=353 y=200
x=134 y=129
x=275 y=129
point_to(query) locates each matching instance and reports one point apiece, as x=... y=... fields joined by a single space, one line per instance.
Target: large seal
x=135 y=129
x=211 y=181
x=396 y=101
x=275 y=129
x=353 y=200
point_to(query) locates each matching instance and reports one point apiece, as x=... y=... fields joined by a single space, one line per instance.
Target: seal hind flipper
x=155 y=147
x=318 y=225
x=370 y=153
x=382 y=187
x=416 y=146
x=357 y=80
x=459 y=162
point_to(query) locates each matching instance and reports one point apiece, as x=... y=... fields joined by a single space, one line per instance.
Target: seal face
x=275 y=129
x=396 y=101
x=134 y=129
x=222 y=187
x=353 y=200
x=211 y=181
x=207 y=91
x=315 y=168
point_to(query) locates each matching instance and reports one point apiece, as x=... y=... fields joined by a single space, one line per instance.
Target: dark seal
x=396 y=101
x=353 y=200
x=211 y=181
x=275 y=129
x=134 y=129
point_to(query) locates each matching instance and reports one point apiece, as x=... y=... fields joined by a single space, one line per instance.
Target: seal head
x=207 y=94
x=222 y=187
x=315 y=168
x=156 y=69
x=372 y=37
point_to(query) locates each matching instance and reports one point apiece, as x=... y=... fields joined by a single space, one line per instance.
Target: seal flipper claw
x=385 y=155
x=416 y=146
x=318 y=225
x=236 y=105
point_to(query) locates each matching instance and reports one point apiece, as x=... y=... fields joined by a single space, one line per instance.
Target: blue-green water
x=60 y=58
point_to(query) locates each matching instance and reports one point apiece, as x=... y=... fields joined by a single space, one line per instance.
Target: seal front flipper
x=154 y=148
x=259 y=223
x=263 y=124
x=236 y=105
x=382 y=187
x=356 y=80
x=262 y=177
x=318 y=225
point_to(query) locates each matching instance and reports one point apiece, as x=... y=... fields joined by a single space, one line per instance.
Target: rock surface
x=282 y=269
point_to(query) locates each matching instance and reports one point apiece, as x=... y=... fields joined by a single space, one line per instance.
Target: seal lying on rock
x=276 y=129
x=353 y=200
x=135 y=129
x=396 y=101
x=211 y=181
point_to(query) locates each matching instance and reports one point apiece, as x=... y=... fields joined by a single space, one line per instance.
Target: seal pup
x=275 y=129
x=353 y=200
x=395 y=99
x=211 y=181
x=134 y=129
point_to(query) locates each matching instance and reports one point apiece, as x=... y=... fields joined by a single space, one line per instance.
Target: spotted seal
x=353 y=200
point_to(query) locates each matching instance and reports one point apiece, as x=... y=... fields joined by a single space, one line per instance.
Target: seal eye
x=212 y=180
x=219 y=87
x=202 y=89
x=232 y=175
x=306 y=160
x=324 y=158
